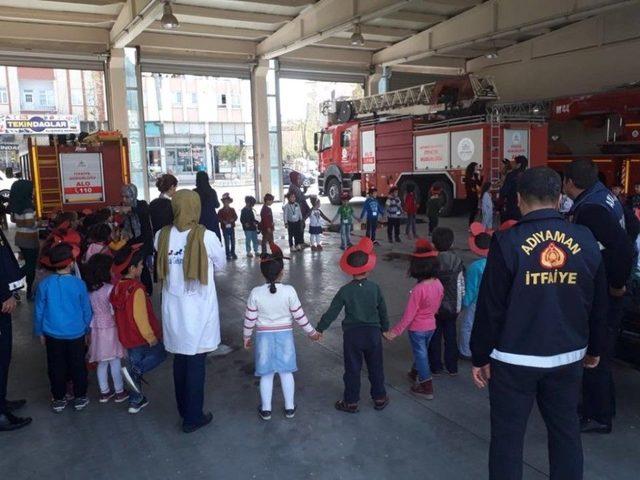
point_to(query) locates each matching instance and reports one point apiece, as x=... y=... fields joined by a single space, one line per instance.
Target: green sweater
x=363 y=305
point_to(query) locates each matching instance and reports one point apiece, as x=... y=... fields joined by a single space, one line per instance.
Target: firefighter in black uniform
x=540 y=318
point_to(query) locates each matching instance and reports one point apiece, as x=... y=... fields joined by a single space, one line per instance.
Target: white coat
x=190 y=314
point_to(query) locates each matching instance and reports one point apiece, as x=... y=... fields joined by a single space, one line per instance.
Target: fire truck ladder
x=495 y=131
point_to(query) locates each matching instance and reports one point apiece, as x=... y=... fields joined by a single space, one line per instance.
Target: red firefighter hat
x=365 y=245
x=62 y=234
x=276 y=253
x=424 y=249
x=479 y=239
x=118 y=268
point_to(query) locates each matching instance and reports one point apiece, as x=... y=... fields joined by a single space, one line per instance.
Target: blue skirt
x=275 y=353
x=315 y=230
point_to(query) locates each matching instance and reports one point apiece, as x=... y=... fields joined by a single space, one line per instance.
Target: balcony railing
x=37 y=108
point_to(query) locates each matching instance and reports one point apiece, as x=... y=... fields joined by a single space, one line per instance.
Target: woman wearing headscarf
x=24 y=215
x=188 y=257
x=209 y=203
x=137 y=225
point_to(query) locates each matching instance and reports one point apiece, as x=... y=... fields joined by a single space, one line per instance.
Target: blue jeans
x=143 y=359
x=411 y=225
x=372 y=225
x=251 y=237
x=229 y=241
x=345 y=235
x=420 y=346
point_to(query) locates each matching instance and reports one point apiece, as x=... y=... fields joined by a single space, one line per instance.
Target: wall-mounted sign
x=466 y=147
x=82 y=178
x=368 y=151
x=9 y=147
x=431 y=152
x=39 y=124
x=516 y=142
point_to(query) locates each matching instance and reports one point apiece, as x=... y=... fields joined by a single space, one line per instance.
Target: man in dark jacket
x=509 y=190
x=9 y=273
x=540 y=316
x=595 y=207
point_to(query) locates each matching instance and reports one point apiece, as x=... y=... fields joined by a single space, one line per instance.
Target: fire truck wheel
x=333 y=190
x=447 y=192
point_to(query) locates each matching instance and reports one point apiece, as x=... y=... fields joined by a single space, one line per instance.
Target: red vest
x=122 y=300
x=410 y=204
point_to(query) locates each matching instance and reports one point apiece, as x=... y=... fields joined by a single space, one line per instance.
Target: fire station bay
x=449 y=190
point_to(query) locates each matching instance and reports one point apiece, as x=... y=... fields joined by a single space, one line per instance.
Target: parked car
x=5 y=184
x=306 y=179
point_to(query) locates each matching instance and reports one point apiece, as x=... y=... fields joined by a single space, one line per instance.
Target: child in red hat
x=364 y=321
x=62 y=318
x=420 y=314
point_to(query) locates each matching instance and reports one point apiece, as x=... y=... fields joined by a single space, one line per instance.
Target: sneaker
x=376 y=242
x=129 y=379
x=249 y=255
x=80 y=403
x=264 y=414
x=319 y=247
x=58 y=406
x=413 y=375
x=105 y=397
x=234 y=256
x=221 y=351
x=453 y=374
x=290 y=412
x=314 y=248
x=123 y=396
x=424 y=388
x=438 y=372
x=206 y=420
x=137 y=406
x=588 y=425
x=381 y=403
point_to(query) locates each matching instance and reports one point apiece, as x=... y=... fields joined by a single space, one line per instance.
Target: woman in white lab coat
x=188 y=257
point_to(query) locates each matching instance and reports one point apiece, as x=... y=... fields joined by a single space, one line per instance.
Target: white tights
x=116 y=375
x=315 y=239
x=288 y=390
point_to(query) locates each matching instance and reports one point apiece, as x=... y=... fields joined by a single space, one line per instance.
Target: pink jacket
x=420 y=313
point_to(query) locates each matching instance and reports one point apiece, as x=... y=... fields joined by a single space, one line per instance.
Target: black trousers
x=188 y=379
x=512 y=390
x=472 y=205
x=445 y=332
x=393 y=229
x=296 y=233
x=146 y=280
x=5 y=358
x=363 y=343
x=598 y=389
x=66 y=361
x=30 y=256
x=433 y=223
x=372 y=227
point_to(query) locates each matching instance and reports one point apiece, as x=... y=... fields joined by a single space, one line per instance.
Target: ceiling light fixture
x=169 y=20
x=492 y=55
x=357 y=40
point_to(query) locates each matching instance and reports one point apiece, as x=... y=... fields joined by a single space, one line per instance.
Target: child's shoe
x=135 y=407
x=314 y=248
x=105 y=397
x=346 y=407
x=413 y=375
x=58 y=406
x=437 y=373
x=234 y=256
x=424 y=388
x=290 y=412
x=381 y=403
x=319 y=247
x=80 y=403
x=122 y=396
x=249 y=255
x=264 y=414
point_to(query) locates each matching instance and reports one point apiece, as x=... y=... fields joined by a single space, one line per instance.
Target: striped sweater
x=274 y=312
x=27 y=230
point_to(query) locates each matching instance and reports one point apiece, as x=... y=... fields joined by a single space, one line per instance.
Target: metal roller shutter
x=53 y=60
x=320 y=74
x=189 y=67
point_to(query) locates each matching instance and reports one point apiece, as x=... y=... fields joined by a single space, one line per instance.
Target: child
x=315 y=224
x=294 y=222
x=419 y=315
x=451 y=276
x=411 y=209
x=99 y=238
x=434 y=205
x=346 y=215
x=266 y=223
x=249 y=225
x=62 y=318
x=365 y=319
x=373 y=210
x=105 y=348
x=138 y=329
x=486 y=205
x=634 y=200
x=394 y=214
x=479 y=241
x=228 y=218
x=271 y=309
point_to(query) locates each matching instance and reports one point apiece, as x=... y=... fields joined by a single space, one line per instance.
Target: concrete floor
x=447 y=438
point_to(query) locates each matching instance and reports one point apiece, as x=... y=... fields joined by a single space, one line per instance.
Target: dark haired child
x=365 y=319
x=271 y=310
x=105 y=347
x=346 y=216
x=315 y=224
x=420 y=315
x=249 y=225
x=373 y=211
x=434 y=206
x=411 y=209
x=138 y=328
x=61 y=320
x=99 y=238
x=228 y=218
x=294 y=221
x=266 y=224
x=451 y=275
x=394 y=215
x=479 y=241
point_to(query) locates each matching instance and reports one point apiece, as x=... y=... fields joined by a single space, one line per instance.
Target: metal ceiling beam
x=193 y=12
x=490 y=20
x=209 y=31
x=322 y=20
x=346 y=43
x=374 y=32
x=330 y=55
x=197 y=44
x=54 y=33
x=282 y=3
x=416 y=17
x=134 y=18
x=53 y=16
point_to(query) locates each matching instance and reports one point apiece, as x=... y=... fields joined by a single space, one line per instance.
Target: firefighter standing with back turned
x=540 y=318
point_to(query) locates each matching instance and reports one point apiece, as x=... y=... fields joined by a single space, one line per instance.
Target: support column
x=260 y=124
x=117 y=106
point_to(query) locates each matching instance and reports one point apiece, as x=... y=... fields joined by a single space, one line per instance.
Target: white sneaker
x=221 y=351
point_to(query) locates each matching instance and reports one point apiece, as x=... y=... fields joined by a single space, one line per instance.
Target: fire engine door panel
x=368 y=151
x=431 y=152
x=466 y=147
x=349 y=150
x=515 y=142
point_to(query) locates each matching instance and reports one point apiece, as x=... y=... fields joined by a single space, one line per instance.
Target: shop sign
x=368 y=151
x=516 y=142
x=9 y=147
x=82 y=177
x=431 y=151
x=39 y=124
